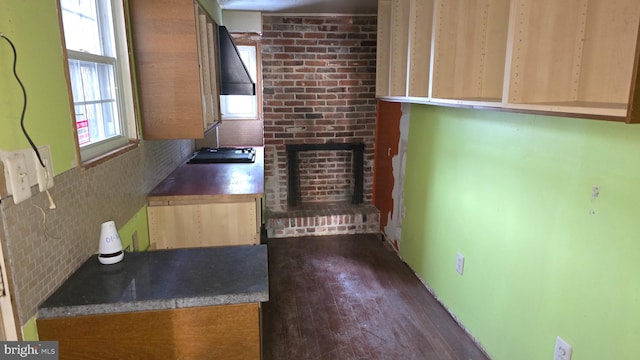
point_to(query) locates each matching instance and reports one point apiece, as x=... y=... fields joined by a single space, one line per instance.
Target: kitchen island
x=171 y=304
x=208 y=205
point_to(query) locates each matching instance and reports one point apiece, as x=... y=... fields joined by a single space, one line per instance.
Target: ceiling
x=303 y=6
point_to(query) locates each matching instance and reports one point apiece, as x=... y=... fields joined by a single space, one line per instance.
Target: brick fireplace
x=330 y=172
x=319 y=88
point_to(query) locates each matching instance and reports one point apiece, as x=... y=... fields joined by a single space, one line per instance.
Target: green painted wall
x=41 y=68
x=513 y=194
x=30 y=330
x=137 y=224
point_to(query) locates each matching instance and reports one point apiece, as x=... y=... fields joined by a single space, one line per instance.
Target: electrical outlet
x=460 y=263
x=562 y=350
x=44 y=174
x=16 y=166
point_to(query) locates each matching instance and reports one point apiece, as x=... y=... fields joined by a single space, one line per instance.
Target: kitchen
x=577 y=152
x=120 y=185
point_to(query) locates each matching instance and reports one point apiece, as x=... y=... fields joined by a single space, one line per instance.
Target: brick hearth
x=323 y=219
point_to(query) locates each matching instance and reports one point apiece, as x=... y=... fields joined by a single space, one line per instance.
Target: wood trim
x=200 y=199
x=10 y=323
x=133 y=144
x=67 y=78
x=633 y=115
x=3 y=183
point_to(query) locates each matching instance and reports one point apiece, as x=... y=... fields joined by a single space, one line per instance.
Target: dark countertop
x=216 y=182
x=163 y=279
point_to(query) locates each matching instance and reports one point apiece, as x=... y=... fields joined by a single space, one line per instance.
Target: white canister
x=110 y=246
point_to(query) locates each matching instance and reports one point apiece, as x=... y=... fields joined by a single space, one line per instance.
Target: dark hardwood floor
x=351 y=297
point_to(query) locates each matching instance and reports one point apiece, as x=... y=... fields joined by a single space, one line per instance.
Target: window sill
x=133 y=144
x=241 y=119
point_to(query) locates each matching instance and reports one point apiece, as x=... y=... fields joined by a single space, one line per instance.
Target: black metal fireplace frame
x=294 y=197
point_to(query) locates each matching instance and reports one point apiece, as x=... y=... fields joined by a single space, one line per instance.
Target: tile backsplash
x=41 y=255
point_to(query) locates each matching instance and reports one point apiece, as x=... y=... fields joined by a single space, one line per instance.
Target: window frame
x=129 y=138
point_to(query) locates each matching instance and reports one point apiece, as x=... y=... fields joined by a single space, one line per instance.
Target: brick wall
x=319 y=87
x=325 y=176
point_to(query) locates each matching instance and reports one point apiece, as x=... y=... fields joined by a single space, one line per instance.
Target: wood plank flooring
x=351 y=297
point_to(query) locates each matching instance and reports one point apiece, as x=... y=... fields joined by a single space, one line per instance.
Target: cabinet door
x=206 y=84
x=165 y=51
x=208 y=55
x=230 y=332
x=174 y=45
x=212 y=43
x=200 y=225
x=404 y=48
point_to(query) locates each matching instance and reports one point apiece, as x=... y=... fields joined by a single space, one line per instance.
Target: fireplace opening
x=330 y=172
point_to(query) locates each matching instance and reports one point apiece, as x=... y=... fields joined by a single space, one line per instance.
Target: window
x=242 y=106
x=99 y=73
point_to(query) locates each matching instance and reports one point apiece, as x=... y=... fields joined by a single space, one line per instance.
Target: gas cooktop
x=223 y=155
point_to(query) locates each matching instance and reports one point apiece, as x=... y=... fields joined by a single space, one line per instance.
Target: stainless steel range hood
x=234 y=77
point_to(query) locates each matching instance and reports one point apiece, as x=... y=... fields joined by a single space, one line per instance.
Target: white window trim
x=253 y=71
x=124 y=90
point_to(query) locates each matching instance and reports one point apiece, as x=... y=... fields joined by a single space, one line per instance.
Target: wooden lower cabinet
x=227 y=332
x=205 y=224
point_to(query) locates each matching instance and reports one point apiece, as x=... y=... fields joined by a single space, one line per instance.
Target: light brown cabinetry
x=175 y=52
x=573 y=58
x=404 y=25
x=177 y=224
x=470 y=44
x=202 y=205
x=209 y=332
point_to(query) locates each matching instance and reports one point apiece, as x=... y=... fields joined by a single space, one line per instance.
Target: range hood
x=234 y=77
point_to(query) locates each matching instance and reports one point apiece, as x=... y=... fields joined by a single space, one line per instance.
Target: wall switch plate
x=562 y=350
x=44 y=174
x=460 y=263
x=18 y=177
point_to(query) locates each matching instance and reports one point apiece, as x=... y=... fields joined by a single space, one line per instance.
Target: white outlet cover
x=460 y=263
x=562 y=350
x=18 y=177
x=44 y=176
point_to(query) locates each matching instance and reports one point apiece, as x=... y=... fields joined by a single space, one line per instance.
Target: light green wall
x=41 y=69
x=137 y=224
x=30 y=330
x=513 y=194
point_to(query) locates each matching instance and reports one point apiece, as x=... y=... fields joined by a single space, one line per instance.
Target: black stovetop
x=223 y=155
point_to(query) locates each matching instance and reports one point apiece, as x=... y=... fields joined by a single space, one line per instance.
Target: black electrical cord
x=24 y=105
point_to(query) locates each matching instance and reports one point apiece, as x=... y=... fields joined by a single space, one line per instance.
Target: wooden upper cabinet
x=470 y=42
x=404 y=48
x=572 y=58
x=175 y=53
x=573 y=55
x=383 y=54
